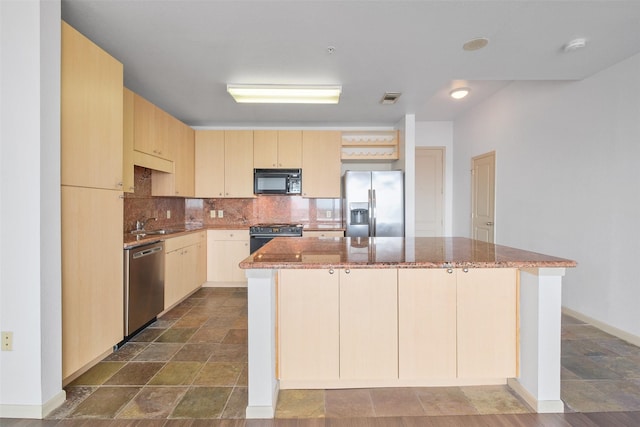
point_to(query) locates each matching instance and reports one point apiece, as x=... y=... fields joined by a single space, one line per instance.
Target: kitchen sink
x=155 y=232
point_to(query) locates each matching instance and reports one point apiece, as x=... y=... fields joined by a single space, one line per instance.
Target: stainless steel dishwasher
x=143 y=285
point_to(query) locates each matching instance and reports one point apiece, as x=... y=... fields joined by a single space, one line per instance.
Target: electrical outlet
x=7 y=341
x=220 y=213
x=212 y=213
x=168 y=214
x=328 y=214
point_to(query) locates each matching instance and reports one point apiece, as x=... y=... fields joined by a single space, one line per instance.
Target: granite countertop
x=394 y=252
x=132 y=240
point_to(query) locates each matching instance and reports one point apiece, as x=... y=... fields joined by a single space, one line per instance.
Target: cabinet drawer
x=173 y=243
x=228 y=234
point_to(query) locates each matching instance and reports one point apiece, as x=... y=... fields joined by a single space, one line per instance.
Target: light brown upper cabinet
x=91 y=114
x=128 y=182
x=182 y=150
x=150 y=128
x=277 y=149
x=224 y=163
x=321 y=164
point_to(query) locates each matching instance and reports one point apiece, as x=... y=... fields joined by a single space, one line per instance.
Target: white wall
x=30 y=284
x=440 y=134
x=567 y=182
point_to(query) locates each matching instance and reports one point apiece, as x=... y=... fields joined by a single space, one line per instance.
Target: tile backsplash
x=235 y=212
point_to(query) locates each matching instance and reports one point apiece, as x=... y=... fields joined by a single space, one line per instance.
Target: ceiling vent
x=390 y=98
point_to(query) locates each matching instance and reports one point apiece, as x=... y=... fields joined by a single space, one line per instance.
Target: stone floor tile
x=236 y=336
x=495 y=400
x=588 y=369
x=162 y=323
x=153 y=402
x=176 y=373
x=584 y=331
x=348 y=403
x=237 y=404
x=191 y=320
x=175 y=334
x=586 y=396
x=202 y=402
x=219 y=374
x=148 y=335
x=625 y=367
x=229 y=353
x=208 y=335
x=135 y=373
x=300 y=404
x=158 y=352
x=194 y=352
x=445 y=401
x=243 y=379
x=620 y=347
x=127 y=352
x=75 y=395
x=98 y=374
x=105 y=402
x=578 y=348
x=389 y=402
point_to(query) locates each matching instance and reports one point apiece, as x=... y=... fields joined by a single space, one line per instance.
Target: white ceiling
x=180 y=54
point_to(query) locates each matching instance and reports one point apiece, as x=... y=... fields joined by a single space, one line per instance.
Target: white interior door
x=483 y=195
x=429 y=192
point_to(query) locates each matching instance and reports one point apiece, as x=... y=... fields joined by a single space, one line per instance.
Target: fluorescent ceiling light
x=285 y=94
x=459 y=93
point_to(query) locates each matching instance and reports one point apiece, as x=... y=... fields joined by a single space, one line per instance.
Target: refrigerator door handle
x=373 y=213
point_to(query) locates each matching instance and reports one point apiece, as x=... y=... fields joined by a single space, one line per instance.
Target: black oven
x=261 y=234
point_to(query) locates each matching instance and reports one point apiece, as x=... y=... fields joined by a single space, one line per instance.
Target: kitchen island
x=402 y=312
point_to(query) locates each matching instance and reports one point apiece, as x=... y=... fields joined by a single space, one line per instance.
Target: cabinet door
x=209 y=163
x=127 y=142
x=290 y=149
x=308 y=325
x=225 y=250
x=368 y=324
x=321 y=164
x=92 y=266
x=201 y=268
x=173 y=276
x=426 y=323
x=238 y=163
x=91 y=114
x=487 y=323
x=265 y=149
x=181 y=181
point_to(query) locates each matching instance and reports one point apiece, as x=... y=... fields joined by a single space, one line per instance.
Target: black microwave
x=277 y=181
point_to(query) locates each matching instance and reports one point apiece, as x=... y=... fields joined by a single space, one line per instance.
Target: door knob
x=490 y=223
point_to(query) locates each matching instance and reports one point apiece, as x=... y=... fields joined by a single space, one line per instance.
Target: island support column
x=540 y=338
x=263 y=386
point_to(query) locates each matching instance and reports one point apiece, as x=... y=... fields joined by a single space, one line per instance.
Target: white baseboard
x=33 y=411
x=619 y=333
x=540 y=406
x=260 y=412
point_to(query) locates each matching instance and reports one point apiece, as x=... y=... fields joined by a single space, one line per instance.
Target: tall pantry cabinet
x=92 y=204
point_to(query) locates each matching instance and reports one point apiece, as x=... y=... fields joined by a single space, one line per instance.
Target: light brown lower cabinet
x=92 y=282
x=396 y=326
x=183 y=266
x=225 y=250
x=368 y=324
x=308 y=325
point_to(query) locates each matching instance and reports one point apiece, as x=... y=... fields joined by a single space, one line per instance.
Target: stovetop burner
x=276 y=229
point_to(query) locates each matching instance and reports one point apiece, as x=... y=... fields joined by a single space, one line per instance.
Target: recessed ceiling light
x=460 y=92
x=575 y=44
x=475 y=44
x=285 y=94
x=390 y=98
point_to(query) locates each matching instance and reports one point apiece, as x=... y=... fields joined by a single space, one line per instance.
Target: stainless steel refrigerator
x=374 y=203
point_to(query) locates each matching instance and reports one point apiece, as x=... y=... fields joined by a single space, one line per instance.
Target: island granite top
x=394 y=252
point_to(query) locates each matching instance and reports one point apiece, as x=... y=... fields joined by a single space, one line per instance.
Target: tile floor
x=192 y=364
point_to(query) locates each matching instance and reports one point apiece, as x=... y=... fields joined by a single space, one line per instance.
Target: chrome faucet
x=141 y=223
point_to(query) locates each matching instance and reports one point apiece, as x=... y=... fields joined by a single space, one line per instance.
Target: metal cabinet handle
x=466 y=270
x=450 y=270
x=331 y=271
x=347 y=271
